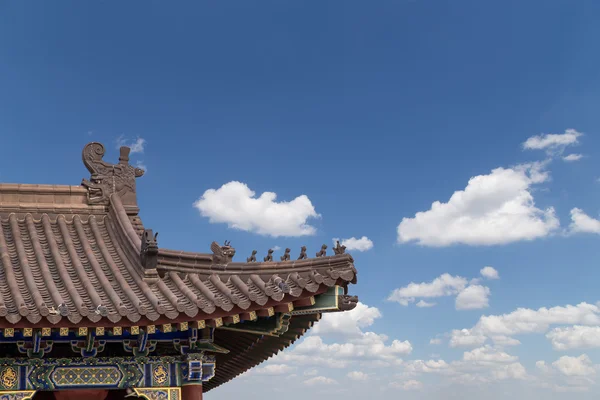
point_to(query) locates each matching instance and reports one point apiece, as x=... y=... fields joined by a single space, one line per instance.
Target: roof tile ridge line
x=3 y=308
x=25 y=267
x=125 y=222
x=137 y=303
x=133 y=271
x=89 y=253
x=76 y=263
x=43 y=264
x=62 y=270
x=10 y=275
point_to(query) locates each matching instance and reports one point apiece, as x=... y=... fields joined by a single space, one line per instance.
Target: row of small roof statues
x=338 y=249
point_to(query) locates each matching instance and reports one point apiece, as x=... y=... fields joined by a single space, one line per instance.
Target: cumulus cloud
x=574 y=337
x=407 y=385
x=468 y=296
x=435 y=341
x=274 y=369
x=424 y=304
x=466 y=338
x=553 y=143
x=573 y=157
x=136 y=146
x=444 y=285
x=320 y=380
x=370 y=348
x=493 y=209
x=481 y=365
x=473 y=297
x=358 y=376
x=489 y=273
x=525 y=321
x=362 y=244
x=358 y=347
x=583 y=223
x=575 y=366
x=236 y=205
x=348 y=323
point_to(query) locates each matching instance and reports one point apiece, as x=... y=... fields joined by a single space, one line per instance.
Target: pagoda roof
x=72 y=255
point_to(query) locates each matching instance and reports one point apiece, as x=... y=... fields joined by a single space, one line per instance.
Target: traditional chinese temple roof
x=78 y=266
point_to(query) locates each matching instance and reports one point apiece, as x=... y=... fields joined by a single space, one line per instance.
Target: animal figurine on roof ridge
x=222 y=255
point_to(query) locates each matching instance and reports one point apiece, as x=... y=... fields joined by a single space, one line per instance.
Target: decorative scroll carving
x=339 y=249
x=286 y=255
x=347 y=302
x=323 y=251
x=222 y=255
x=269 y=256
x=252 y=258
x=302 y=255
x=108 y=178
x=149 y=251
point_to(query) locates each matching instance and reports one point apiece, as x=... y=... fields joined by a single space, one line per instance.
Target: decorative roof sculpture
x=81 y=270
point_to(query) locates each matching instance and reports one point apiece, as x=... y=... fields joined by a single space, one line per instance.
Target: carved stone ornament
x=323 y=251
x=302 y=255
x=339 y=249
x=347 y=302
x=222 y=255
x=269 y=256
x=286 y=255
x=252 y=258
x=149 y=251
x=107 y=178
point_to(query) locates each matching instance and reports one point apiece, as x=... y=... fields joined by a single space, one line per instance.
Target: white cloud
x=141 y=165
x=358 y=376
x=362 y=244
x=466 y=338
x=311 y=372
x=435 y=341
x=236 y=205
x=424 y=304
x=503 y=341
x=489 y=273
x=407 y=385
x=136 y=146
x=320 y=380
x=488 y=354
x=553 y=143
x=575 y=366
x=444 y=285
x=523 y=321
x=274 y=369
x=468 y=297
x=493 y=209
x=347 y=323
x=573 y=157
x=473 y=297
x=482 y=365
x=275 y=248
x=583 y=223
x=575 y=337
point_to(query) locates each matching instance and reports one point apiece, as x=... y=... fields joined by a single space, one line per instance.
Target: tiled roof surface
x=64 y=260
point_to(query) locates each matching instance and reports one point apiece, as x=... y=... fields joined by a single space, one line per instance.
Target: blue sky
x=372 y=112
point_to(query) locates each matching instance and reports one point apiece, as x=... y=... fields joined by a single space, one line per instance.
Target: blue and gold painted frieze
x=22 y=374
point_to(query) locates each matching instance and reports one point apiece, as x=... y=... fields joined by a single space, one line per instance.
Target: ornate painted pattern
x=17 y=395
x=159 y=393
x=86 y=376
x=160 y=374
x=9 y=378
